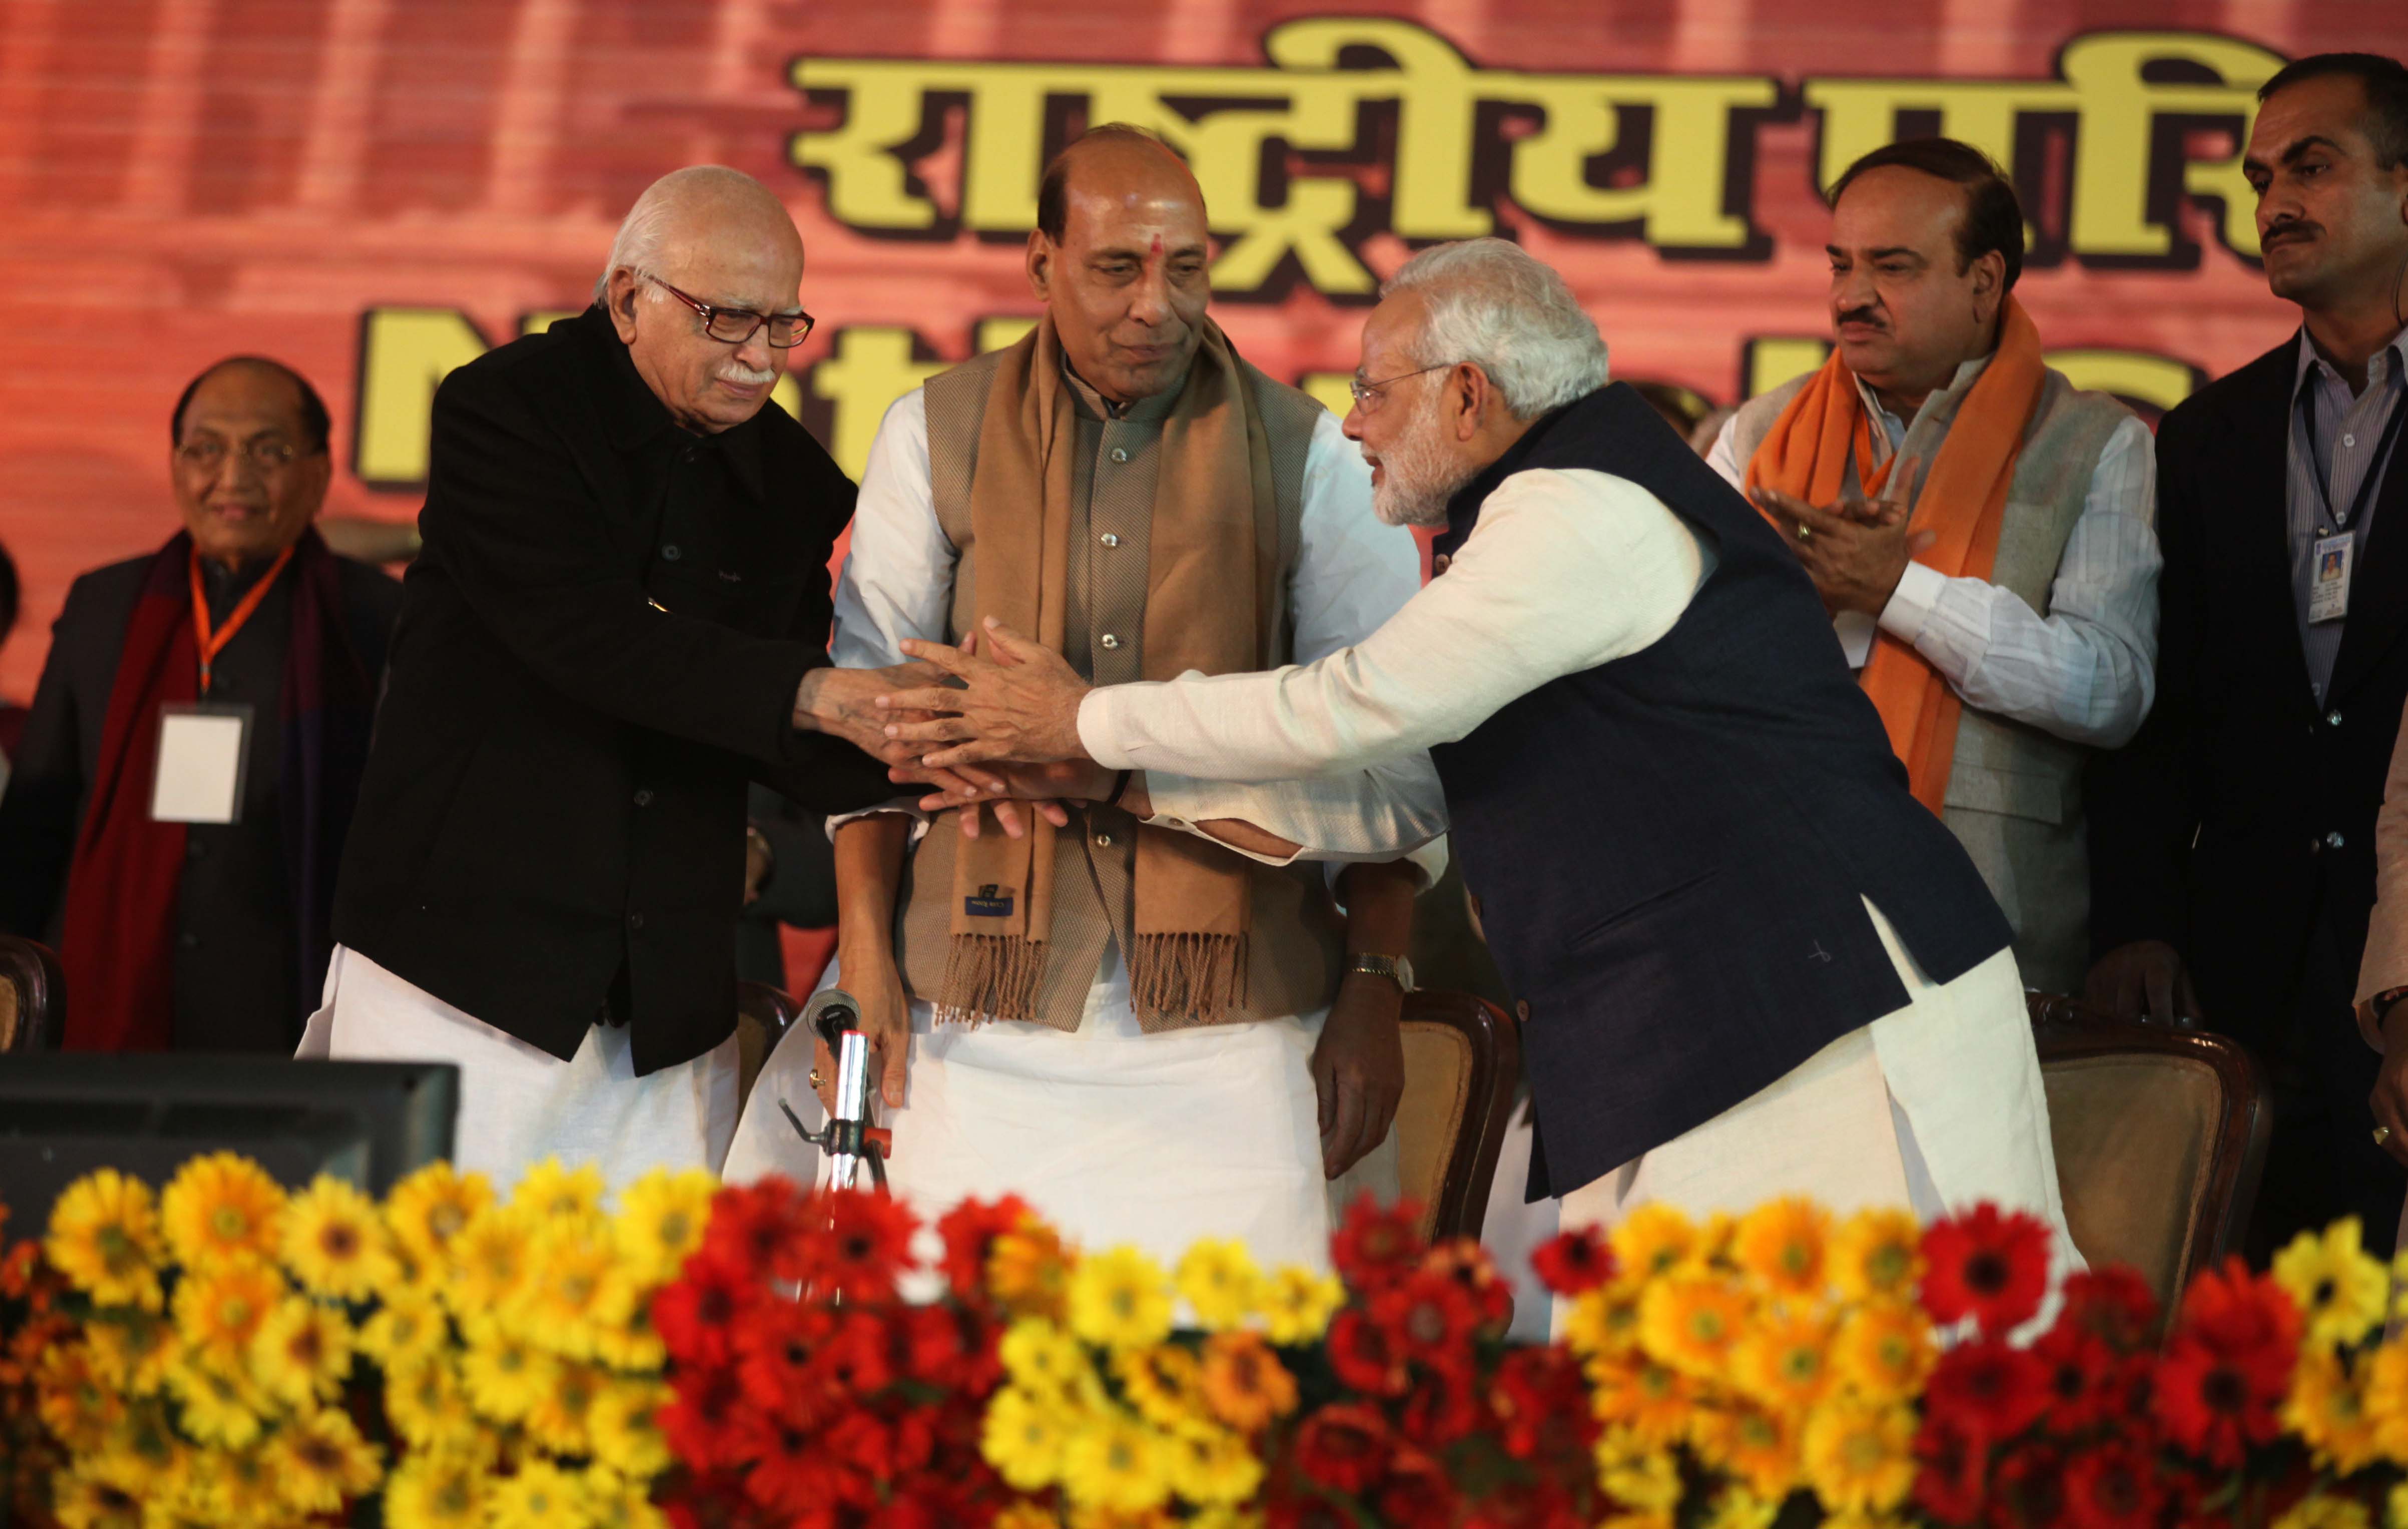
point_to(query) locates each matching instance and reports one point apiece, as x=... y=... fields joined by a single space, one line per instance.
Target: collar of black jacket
x=1463 y=510
x=638 y=420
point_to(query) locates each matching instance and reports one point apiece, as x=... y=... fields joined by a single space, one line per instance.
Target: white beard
x=1416 y=478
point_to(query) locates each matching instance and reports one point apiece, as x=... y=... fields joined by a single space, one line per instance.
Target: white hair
x=652 y=222
x=1493 y=303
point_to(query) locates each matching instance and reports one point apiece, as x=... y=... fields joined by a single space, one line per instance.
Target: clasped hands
x=1855 y=551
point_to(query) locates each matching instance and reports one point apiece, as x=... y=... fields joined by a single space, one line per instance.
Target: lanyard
x=2373 y=466
x=213 y=641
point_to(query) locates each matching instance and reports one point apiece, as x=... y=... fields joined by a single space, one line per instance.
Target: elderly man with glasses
x=178 y=804
x=616 y=624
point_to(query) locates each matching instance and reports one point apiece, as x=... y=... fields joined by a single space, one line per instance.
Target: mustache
x=1861 y=316
x=2289 y=227
x=735 y=371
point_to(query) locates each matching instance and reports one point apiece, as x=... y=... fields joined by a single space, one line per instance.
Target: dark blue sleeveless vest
x=1671 y=849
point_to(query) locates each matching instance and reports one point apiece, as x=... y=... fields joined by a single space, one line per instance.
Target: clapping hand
x=1855 y=552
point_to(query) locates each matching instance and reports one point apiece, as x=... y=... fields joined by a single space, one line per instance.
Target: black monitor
x=63 y=1114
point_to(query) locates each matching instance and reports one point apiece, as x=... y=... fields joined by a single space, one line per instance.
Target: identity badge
x=2328 y=577
x=204 y=753
x=989 y=902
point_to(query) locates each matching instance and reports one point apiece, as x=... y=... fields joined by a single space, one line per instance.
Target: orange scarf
x=1963 y=501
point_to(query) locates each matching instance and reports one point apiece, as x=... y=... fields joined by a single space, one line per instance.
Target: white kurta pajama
x=1116 y=1136
x=1936 y=1105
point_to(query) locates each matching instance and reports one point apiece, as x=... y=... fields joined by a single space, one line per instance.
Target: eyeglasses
x=265 y=454
x=735 y=326
x=1369 y=395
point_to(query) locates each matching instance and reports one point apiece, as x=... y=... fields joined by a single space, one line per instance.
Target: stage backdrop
x=376 y=190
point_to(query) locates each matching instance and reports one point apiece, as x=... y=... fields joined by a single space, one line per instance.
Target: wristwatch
x=1395 y=969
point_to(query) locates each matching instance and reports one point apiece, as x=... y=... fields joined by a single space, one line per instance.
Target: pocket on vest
x=2013 y=793
x=1652 y=904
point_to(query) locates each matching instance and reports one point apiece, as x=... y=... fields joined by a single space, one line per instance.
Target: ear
x=621 y=301
x=1040 y=264
x=1989 y=274
x=1468 y=393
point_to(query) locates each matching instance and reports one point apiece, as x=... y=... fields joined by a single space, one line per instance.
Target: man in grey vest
x=2002 y=640
x=1142 y=1012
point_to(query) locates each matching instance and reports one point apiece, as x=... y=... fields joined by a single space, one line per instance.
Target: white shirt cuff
x=907 y=806
x=1098 y=727
x=1912 y=603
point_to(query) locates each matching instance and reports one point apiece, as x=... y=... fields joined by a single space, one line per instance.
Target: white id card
x=2328 y=577
x=204 y=752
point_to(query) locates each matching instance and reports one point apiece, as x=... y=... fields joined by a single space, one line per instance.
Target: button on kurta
x=1109 y=539
x=1103 y=841
x=1109 y=641
x=1119 y=453
x=644 y=796
x=671 y=552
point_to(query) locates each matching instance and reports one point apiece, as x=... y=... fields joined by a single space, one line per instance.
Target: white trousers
x=1933 y=1107
x=519 y=1104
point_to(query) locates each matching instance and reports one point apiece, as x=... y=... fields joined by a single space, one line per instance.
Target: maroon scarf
x=117 y=942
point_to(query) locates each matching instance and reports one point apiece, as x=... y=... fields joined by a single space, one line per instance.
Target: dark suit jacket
x=555 y=794
x=233 y=981
x=2244 y=811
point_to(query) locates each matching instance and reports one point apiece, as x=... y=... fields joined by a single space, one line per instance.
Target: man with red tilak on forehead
x=1147 y=1014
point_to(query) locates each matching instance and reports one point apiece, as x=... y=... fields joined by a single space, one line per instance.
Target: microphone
x=834 y=1016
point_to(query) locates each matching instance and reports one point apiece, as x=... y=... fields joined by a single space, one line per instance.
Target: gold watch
x=1395 y=969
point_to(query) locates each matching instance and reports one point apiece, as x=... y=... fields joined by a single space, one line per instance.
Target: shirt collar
x=642 y=420
x=2394 y=359
x=1140 y=411
x=1966 y=374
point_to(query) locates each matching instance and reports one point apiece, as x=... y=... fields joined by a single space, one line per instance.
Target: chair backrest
x=764 y=1014
x=33 y=996
x=2160 y=1136
x=1463 y=1059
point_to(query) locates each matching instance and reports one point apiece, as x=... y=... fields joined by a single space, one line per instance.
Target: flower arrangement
x=242 y=1355
x=32 y=1324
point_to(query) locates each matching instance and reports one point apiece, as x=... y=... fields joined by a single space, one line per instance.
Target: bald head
x=715 y=237
x=1121 y=259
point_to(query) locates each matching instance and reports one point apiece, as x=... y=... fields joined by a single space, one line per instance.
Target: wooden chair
x=764 y=1014
x=1463 y=1057
x=2160 y=1136
x=33 y=996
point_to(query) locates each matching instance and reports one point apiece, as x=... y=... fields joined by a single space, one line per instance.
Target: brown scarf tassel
x=991 y=977
x=1189 y=978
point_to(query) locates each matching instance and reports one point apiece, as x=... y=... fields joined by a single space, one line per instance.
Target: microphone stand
x=848 y=1139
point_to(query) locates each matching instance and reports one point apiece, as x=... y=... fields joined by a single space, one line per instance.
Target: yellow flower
x=406 y=1328
x=1298 y=1304
x=662 y=1216
x=2383 y=1378
x=2318 y=1511
x=2395 y=1507
x=550 y=1191
x=219 y=1310
x=240 y=1486
x=1244 y=1383
x=613 y=1501
x=489 y=1260
x=1736 y=1508
x=2339 y=1289
x=1219 y=1281
x=321 y=1462
x=81 y=1500
x=630 y=1343
x=1859 y=1457
x=505 y=1374
x=1215 y=1467
x=541 y=1495
x=2327 y=1409
x=439 y=1490
x=73 y=1401
x=1021 y=1437
x=626 y=1436
x=216 y=1408
x=221 y=1206
x=130 y=1348
x=334 y=1242
x=302 y=1352
x=1780 y=1243
x=143 y=1455
x=1784 y=1360
x=1029 y=1271
x=1165 y=1383
x=1877 y=1252
x=1884 y=1351
x=426 y=1403
x=1691 y=1322
x=1041 y=1359
x=1639 y=1398
x=575 y=1286
x=105 y=1239
x=1752 y=1444
x=1653 y=1239
x=1605 y=1321
x=1637 y=1475
x=1022 y=1514
x=1119 y=1300
x=557 y=1419
x=1116 y=1463
x=433 y=1206
x=1206 y=1517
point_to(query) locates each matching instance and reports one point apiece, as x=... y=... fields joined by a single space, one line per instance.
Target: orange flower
x=1244 y=1383
x=1784 y=1361
x=1029 y=1271
x=1691 y=1322
x=1885 y=1350
x=1755 y=1446
x=1632 y=1392
x=1781 y=1244
x=219 y=1207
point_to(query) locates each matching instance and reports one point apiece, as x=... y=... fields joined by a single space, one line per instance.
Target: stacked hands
x=995 y=723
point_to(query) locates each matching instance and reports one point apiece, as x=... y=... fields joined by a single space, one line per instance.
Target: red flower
x=697 y=1313
x=1988 y=1265
x=1573 y=1261
x=2113 y=1486
x=2028 y=1489
x=792 y=1471
x=1442 y=1409
x=700 y=1423
x=1990 y=1389
x=1429 y=1320
x=1345 y=1447
x=865 y=1245
x=1467 y=1263
x=950 y=1349
x=2225 y=1373
x=1535 y=1505
x=2084 y=1378
x=1953 y=1476
x=1540 y=1402
x=1363 y=1352
x=778 y=1365
x=856 y=1358
x=2115 y=1303
x=1377 y=1246
x=1416 y=1493
x=969 y=1230
x=757 y=1229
